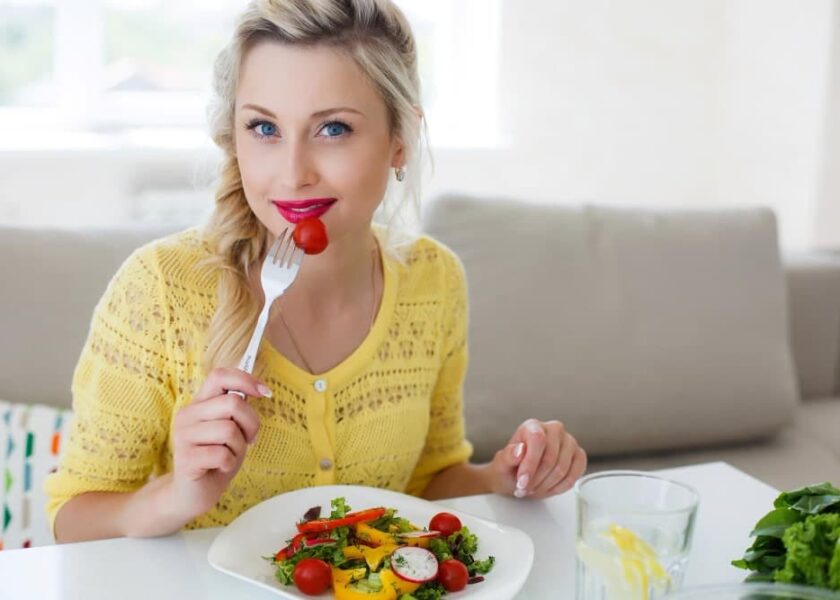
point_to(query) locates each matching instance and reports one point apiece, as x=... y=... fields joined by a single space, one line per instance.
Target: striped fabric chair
x=30 y=442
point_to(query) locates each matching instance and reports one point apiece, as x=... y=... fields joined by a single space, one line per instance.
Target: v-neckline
x=357 y=359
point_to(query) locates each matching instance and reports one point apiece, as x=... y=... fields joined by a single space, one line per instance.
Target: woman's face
x=312 y=139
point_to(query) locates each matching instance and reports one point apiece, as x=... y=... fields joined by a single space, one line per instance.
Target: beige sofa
x=660 y=338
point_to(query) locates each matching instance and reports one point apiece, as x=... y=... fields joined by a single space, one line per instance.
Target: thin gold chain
x=370 y=326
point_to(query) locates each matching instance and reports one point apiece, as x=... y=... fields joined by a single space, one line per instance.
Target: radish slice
x=419 y=535
x=413 y=564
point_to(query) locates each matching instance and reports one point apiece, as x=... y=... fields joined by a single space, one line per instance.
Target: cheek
x=254 y=175
x=362 y=173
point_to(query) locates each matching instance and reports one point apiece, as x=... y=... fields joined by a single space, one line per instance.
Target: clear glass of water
x=634 y=534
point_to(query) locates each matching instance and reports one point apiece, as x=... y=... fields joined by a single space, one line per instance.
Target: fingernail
x=517 y=450
x=522 y=483
x=253 y=440
x=264 y=390
x=534 y=427
x=519 y=493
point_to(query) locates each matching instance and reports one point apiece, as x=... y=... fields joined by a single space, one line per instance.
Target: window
x=117 y=65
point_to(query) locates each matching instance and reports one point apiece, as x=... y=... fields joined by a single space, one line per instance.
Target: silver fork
x=279 y=269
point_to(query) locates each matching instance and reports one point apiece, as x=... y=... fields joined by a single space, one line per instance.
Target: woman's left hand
x=542 y=459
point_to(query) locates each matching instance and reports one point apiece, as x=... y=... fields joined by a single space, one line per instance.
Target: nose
x=298 y=168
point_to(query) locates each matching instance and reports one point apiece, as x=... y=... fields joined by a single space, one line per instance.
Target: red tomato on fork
x=311 y=236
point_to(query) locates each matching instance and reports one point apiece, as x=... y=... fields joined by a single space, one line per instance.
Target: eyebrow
x=316 y=115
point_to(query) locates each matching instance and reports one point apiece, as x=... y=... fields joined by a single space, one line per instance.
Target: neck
x=337 y=277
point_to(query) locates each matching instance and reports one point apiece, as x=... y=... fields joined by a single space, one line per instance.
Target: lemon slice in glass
x=629 y=568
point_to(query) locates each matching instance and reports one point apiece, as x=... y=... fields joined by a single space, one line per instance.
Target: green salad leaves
x=798 y=541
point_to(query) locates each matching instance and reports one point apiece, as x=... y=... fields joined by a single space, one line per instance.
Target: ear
x=398 y=154
x=398 y=157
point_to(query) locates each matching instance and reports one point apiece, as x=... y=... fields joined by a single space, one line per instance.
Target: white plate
x=263 y=529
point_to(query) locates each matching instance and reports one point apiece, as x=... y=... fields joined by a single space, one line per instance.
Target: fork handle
x=250 y=356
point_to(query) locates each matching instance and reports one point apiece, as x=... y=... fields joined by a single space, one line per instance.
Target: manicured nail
x=264 y=390
x=522 y=482
x=520 y=493
x=517 y=450
x=534 y=427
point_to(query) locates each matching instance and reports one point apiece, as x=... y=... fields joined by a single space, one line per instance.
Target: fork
x=279 y=269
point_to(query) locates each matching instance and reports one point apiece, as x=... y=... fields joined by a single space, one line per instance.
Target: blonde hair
x=376 y=34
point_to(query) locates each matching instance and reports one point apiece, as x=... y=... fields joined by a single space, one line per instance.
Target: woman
x=359 y=376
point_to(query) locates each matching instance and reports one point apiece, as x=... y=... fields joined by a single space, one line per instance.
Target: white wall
x=654 y=102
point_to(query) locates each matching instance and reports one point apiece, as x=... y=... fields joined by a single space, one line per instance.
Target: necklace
x=296 y=346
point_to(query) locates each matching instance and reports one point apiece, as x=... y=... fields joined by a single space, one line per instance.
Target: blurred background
x=656 y=103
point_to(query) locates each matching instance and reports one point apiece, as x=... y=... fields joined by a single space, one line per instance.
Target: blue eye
x=335 y=129
x=262 y=129
x=266 y=129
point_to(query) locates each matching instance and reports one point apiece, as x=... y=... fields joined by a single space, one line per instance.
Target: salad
x=373 y=554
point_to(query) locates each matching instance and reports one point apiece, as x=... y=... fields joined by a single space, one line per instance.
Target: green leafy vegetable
x=798 y=541
x=339 y=508
x=428 y=591
x=389 y=519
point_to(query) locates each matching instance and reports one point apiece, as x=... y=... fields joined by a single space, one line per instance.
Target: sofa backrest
x=52 y=280
x=813 y=282
x=640 y=329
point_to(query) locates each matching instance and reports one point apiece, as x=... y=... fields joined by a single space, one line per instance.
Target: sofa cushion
x=30 y=443
x=786 y=461
x=52 y=281
x=820 y=420
x=639 y=329
x=814 y=296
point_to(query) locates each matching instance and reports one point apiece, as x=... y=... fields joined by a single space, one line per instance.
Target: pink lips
x=295 y=211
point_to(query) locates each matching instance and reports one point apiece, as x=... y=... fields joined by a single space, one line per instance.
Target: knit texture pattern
x=390 y=415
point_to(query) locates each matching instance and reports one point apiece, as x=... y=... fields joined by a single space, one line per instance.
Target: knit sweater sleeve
x=122 y=394
x=446 y=444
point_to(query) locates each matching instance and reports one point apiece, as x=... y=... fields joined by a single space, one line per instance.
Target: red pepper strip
x=352 y=518
x=297 y=542
x=319 y=541
x=283 y=554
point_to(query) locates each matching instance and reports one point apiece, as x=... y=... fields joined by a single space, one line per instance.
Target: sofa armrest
x=813 y=282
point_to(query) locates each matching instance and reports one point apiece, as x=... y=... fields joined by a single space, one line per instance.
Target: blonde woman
x=360 y=372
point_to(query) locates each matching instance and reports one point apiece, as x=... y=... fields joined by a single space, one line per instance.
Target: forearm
x=103 y=515
x=463 y=479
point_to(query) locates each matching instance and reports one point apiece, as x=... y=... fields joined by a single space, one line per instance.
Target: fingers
x=534 y=436
x=576 y=471
x=558 y=471
x=198 y=460
x=555 y=434
x=221 y=381
x=217 y=433
x=222 y=407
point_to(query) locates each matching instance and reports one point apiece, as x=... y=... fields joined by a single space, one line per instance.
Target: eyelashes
x=264 y=130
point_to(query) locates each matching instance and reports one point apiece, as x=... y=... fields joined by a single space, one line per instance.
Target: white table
x=176 y=568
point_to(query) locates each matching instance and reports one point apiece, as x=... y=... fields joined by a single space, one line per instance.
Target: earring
x=399 y=173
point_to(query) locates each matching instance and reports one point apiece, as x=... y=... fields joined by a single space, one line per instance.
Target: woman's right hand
x=210 y=438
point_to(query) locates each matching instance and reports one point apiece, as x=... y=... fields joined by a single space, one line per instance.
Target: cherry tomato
x=312 y=576
x=311 y=235
x=446 y=523
x=453 y=575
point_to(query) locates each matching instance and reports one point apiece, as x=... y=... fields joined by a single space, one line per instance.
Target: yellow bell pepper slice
x=392 y=588
x=373 y=536
x=372 y=556
x=342 y=577
x=390 y=579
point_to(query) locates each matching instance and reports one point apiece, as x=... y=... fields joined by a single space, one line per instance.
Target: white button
x=325 y=464
x=320 y=385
